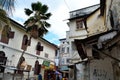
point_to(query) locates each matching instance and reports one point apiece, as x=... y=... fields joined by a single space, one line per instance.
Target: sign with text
x=46 y=63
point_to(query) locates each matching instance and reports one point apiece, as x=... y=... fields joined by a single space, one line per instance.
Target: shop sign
x=46 y=63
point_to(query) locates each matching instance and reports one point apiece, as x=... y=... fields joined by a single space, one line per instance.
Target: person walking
x=60 y=76
x=39 y=76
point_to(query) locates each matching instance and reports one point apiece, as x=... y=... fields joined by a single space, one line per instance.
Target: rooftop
x=84 y=11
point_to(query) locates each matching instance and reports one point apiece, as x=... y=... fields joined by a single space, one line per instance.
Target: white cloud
x=58 y=23
x=60 y=13
x=78 y=4
x=19 y=14
x=59 y=26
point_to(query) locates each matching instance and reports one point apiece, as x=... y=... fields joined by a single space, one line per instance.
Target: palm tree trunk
x=18 y=64
x=19 y=61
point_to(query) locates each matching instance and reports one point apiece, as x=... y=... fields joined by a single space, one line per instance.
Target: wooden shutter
x=24 y=42
x=37 y=67
x=5 y=34
x=39 y=48
x=11 y=34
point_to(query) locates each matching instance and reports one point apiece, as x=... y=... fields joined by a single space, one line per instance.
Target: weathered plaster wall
x=101 y=70
x=95 y=24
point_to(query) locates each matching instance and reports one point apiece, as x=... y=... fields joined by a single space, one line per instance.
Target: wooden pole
x=106 y=54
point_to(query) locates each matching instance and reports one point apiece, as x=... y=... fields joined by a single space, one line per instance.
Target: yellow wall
x=95 y=24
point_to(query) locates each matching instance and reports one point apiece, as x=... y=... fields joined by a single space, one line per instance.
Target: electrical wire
x=66 y=5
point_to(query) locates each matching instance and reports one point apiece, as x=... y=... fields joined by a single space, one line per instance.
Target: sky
x=60 y=14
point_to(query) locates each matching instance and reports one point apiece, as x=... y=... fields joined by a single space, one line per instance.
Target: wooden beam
x=106 y=55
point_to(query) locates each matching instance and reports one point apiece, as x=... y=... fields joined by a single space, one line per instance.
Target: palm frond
x=42 y=31
x=28 y=29
x=33 y=5
x=28 y=12
x=29 y=21
x=7 y=5
x=44 y=9
x=46 y=16
x=3 y=17
x=47 y=24
x=36 y=6
x=39 y=18
x=44 y=24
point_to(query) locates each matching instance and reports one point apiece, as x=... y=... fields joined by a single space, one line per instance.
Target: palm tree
x=6 y=6
x=3 y=17
x=37 y=23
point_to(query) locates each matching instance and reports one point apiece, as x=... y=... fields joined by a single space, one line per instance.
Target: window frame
x=79 y=24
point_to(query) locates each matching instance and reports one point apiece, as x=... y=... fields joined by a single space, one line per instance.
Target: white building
x=64 y=52
x=64 y=56
x=14 y=46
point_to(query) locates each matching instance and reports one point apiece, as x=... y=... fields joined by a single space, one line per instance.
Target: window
x=67 y=60
x=63 y=61
x=79 y=24
x=39 y=48
x=56 y=53
x=37 y=67
x=46 y=55
x=63 y=50
x=5 y=34
x=24 y=42
x=11 y=34
x=3 y=60
x=67 y=49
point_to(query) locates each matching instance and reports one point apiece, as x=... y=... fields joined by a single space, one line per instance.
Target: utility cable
x=66 y=5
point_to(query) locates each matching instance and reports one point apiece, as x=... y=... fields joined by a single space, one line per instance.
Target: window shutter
x=5 y=34
x=37 y=68
x=24 y=42
x=38 y=52
x=38 y=46
x=11 y=34
x=41 y=48
x=3 y=60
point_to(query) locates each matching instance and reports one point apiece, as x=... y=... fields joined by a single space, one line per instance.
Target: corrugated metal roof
x=83 y=11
